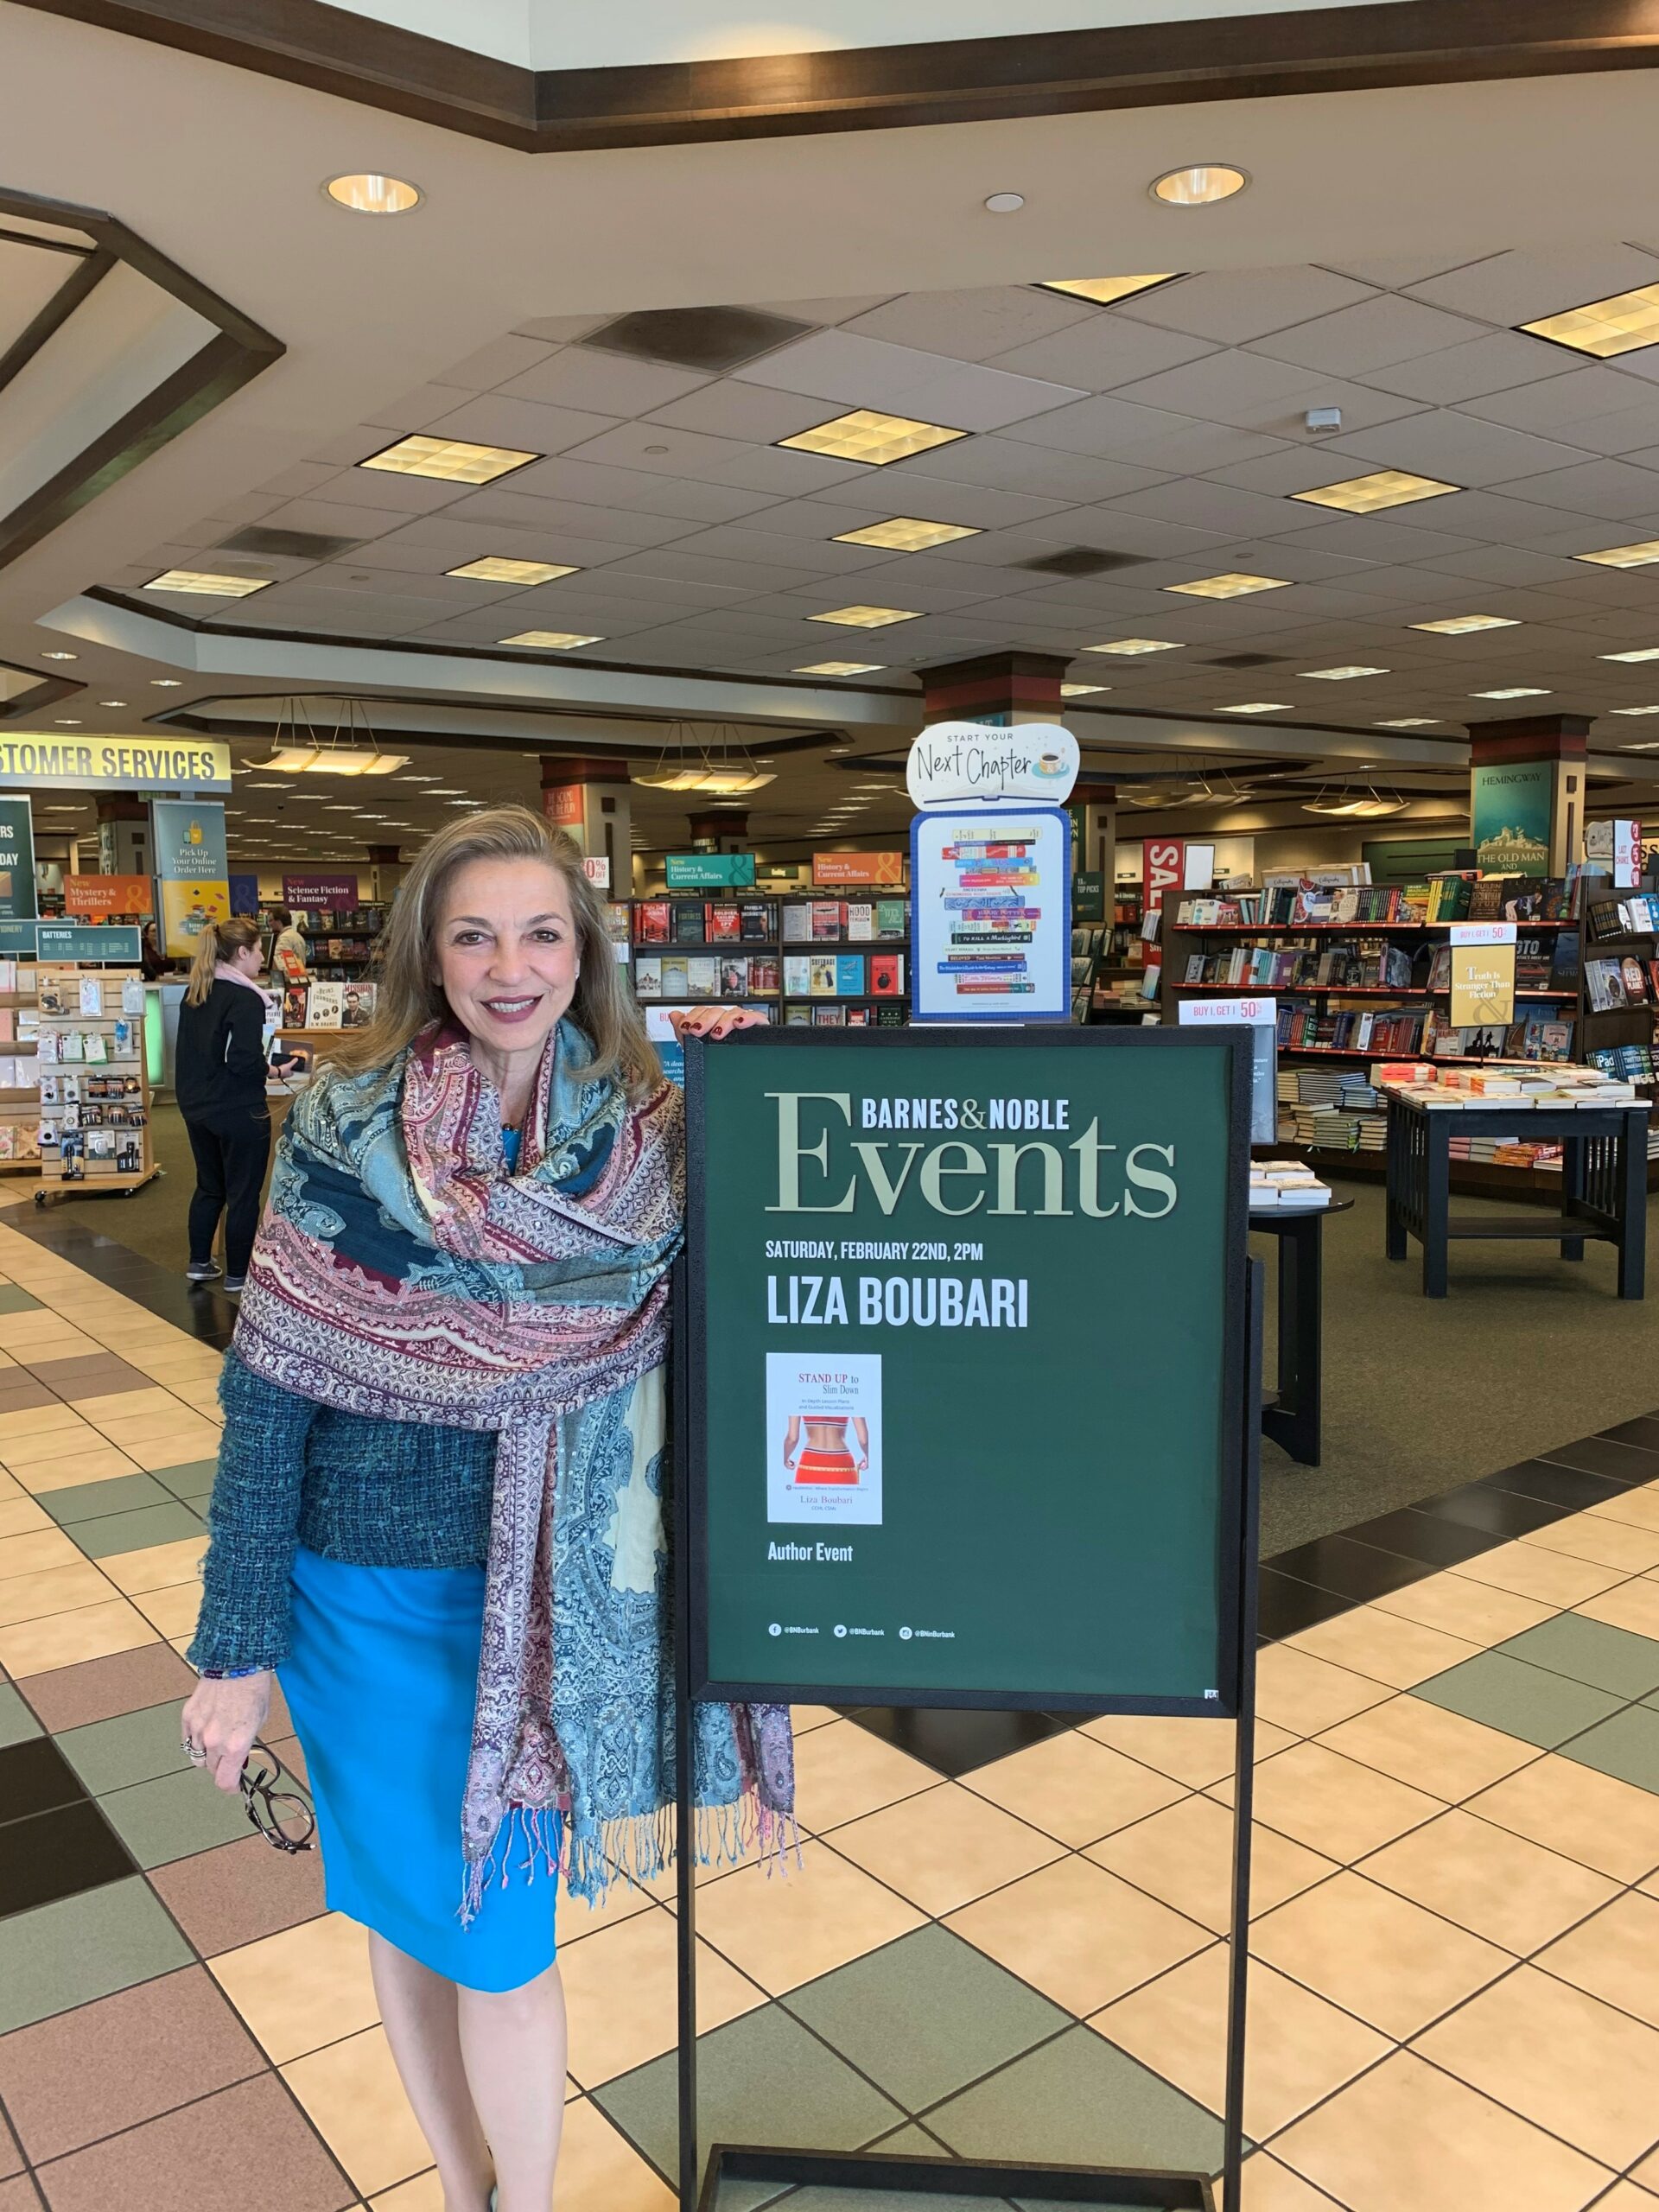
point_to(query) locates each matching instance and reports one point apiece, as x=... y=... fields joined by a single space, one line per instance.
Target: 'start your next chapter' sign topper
x=962 y=764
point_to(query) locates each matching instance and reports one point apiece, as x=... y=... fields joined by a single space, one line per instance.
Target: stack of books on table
x=1509 y=1087
x=1284 y=1186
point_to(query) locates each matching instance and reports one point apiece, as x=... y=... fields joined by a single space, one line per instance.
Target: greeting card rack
x=95 y=1130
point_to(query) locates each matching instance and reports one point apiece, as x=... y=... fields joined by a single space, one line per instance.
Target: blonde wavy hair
x=409 y=997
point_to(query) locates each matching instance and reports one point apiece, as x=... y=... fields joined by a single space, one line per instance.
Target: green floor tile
x=64 y=1955
x=1607 y=1658
x=192 y=1482
x=169 y=1524
x=1627 y=1746
x=17 y=1723
x=1081 y=2101
x=16 y=1300
x=96 y=1501
x=926 y=2016
x=761 y=2079
x=175 y=1817
x=133 y=1747
x=1530 y=1702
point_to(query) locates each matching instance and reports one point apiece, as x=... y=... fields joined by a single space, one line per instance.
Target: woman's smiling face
x=506 y=952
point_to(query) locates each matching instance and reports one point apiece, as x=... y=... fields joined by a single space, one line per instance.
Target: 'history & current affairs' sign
x=966 y=1365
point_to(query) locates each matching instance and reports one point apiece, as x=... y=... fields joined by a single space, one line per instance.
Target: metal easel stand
x=989 y=2177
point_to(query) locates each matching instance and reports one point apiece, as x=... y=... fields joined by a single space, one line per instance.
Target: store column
x=123 y=842
x=591 y=800
x=386 y=871
x=1526 y=793
x=725 y=831
x=1007 y=690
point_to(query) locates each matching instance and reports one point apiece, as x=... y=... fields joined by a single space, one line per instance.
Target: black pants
x=232 y=1156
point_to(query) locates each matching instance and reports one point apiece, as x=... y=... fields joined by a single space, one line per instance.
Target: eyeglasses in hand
x=283 y=1816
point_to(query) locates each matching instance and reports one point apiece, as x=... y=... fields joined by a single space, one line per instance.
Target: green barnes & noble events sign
x=966 y=1367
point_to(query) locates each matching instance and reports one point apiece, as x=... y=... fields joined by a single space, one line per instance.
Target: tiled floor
x=1008 y=1935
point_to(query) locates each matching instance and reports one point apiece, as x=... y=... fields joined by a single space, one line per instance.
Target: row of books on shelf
x=1631 y=1063
x=757 y=921
x=895 y=1015
x=1634 y=914
x=1611 y=984
x=328 y=1006
x=797 y=975
x=1455 y=897
x=318 y=921
x=1423 y=1031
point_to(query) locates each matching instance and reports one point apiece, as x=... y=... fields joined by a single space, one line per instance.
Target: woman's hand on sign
x=714 y=1021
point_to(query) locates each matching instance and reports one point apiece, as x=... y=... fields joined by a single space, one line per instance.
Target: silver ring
x=196 y=1754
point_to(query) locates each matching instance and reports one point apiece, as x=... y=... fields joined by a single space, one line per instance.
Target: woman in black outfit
x=219 y=1071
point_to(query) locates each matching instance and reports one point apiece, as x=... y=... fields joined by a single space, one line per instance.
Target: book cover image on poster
x=823 y=1438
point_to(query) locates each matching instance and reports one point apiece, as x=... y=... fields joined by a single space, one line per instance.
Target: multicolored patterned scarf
x=402 y=1273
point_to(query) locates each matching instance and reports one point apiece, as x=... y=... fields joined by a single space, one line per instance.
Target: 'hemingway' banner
x=966 y=1367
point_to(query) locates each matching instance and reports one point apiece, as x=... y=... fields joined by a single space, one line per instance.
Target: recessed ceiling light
x=1408 y=721
x=1640 y=652
x=1103 y=290
x=839 y=668
x=1135 y=645
x=1232 y=585
x=65 y=721
x=872 y=437
x=1460 y=625
x=1005 y=203
x=168 y=682
x=905 y=534
x=1648 y=745
x=269 y=783
x=448 y=791
x=206 y=583
x=1623 y=557
x=451 y=460
x=1259 y=707
x=1604 y=329
x=1513 y=691
x=59 y=655
x=1081 y=691
x=558 y=641
x=869 y=618
x=370 y=194
x=1198 y=186
x=114 y=703
x=1636 y=710
x=1369 y=495
x=496 y=569
x=336 y=806
x=1341 y=674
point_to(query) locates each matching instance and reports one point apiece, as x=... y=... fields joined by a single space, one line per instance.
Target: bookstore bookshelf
x=826 y=962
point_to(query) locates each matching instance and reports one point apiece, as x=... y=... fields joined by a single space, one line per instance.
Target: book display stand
x=93 y=1104
x=20 y=1095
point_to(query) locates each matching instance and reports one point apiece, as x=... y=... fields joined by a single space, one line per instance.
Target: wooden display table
x=1604 y=1183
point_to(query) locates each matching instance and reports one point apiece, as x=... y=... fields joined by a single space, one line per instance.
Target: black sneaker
x=201 y=1271
x=235 y=1285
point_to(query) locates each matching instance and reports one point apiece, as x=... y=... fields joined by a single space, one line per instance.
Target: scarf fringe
x=638 y=1849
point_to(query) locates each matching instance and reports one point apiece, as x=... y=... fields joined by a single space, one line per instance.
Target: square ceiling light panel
x=1259 y=707
x=906 y=534
x=449 y=461
x=1103 y=291
x=557 y=641
x=873 y=438
x=1082 y=691
x=1623 y=557
x=1461 y=626
x=1340 y=674
x=497 y=569
x=1132 y=647
x=1370 y=495
x=1636 y=710
x=869 y=618
x=1637 y=653
x=206 y=583
x=1514 y=691
x=1233 y=585
x=839 y=668
x=1408 y=721
x=1605 y=328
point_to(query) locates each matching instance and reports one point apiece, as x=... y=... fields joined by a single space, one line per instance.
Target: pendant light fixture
x=722 y=766
x=349 y=748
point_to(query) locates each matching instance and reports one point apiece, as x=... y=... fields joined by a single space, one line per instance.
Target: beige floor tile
x=156 y=1566
x=1184 y=1856
x=1595 y=1818
x=34 y=1553
x=1078 y=1934
x=1500 y=1886
x=1647 y=2172
x=842 y=1772
x=1376 y=1954
x=1306 y=1696
x=305 y=1987
x=1332 y=1804
x=1470 y=1611
x=1408 y=2139
x=1401 y=1653
x=10 y=1488
x=1074 y=1787
x=1432 y=1749
x=357 y=2104
x=1568 y=2061
x=1299 y=2050
x=1555 y=1578
x=181 y=1432
x=174 y=1451
x=51 y=1440
x=620 y=1993
x=577 y=1918
x=58 y=1589
x=424 y=2194
x=172 y=1611
x=600 y=2171
x=127 y=1404
x=1615 y=1956
x=64 y=1639
x=19 y=1515
x=1196 y=1752
x=1633 y=1604
x=38 y=1420
x=1270 y=2187
x=783 y=1928
x=1638 y=1506
x=1625 y=2196
x=1609 y=1543
x=944 y=1848
x=73 y=1465
x=805 y=1717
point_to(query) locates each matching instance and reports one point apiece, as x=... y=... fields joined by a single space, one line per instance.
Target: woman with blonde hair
x=219 y=1071
x=439 y=1504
